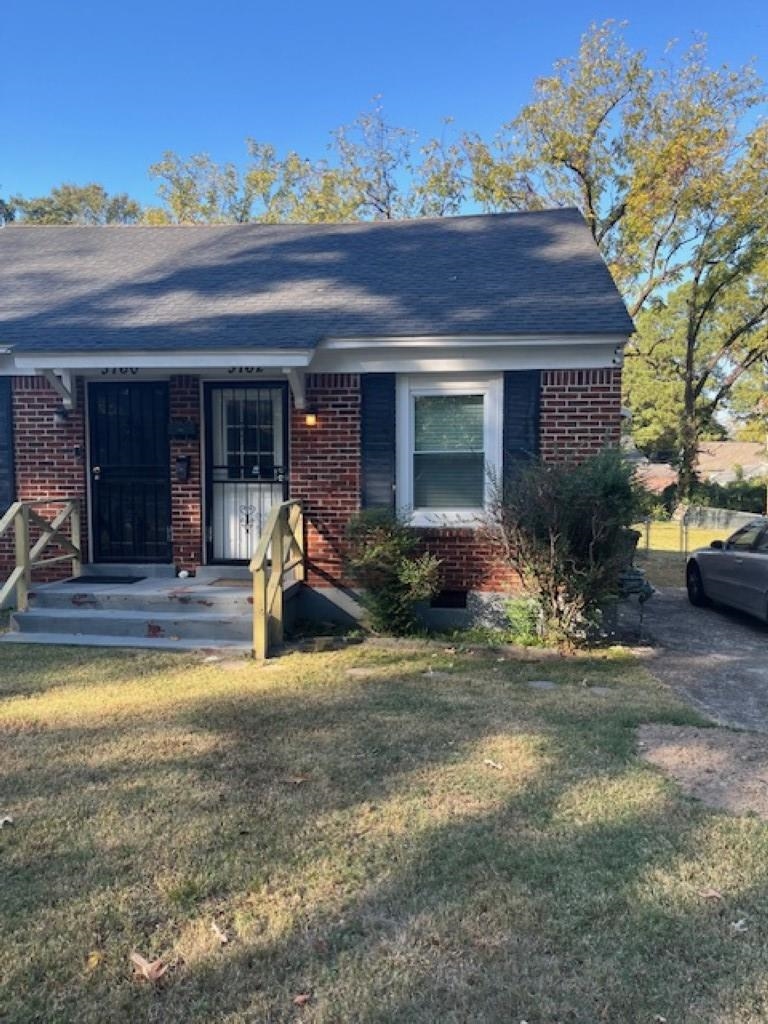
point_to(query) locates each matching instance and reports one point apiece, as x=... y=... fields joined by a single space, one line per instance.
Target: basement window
x=449 y=599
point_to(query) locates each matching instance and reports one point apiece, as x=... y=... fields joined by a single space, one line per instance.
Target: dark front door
x=130 y=472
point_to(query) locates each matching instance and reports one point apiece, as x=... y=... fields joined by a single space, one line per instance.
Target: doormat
x=236 y=581
x=90 y=580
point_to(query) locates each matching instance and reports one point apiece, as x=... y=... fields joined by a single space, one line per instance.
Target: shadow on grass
x=508 y=909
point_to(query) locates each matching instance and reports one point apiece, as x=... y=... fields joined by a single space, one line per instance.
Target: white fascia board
x=470 y=359
x=177 y=362
x=475 y=341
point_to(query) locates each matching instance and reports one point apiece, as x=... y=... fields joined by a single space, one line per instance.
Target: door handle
x=96 y=472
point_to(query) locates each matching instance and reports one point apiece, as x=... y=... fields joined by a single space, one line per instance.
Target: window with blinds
x=448 y=451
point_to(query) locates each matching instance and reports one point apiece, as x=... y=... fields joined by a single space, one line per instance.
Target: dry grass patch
x=393 y=844
x=723 y=768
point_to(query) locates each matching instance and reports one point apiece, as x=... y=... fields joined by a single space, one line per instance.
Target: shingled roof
x=287 y=286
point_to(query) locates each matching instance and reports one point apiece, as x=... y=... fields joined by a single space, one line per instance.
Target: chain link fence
x=695 y=528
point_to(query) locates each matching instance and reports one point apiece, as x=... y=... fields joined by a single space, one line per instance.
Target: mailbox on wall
x=182 y=466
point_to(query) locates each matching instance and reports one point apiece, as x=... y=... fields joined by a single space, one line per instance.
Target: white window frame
x=412 y=386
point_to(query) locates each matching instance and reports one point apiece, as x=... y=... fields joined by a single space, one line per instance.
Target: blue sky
x=97 y=91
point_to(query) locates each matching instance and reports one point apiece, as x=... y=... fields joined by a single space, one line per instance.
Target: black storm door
x=130 y=472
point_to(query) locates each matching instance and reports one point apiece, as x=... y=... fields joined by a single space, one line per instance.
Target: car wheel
x=696 y=593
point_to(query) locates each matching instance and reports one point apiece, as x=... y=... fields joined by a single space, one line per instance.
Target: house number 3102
x=120 y=371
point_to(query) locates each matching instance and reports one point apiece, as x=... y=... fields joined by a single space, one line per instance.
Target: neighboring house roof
x=720 y=460
x=248 y=286
x=656 y=476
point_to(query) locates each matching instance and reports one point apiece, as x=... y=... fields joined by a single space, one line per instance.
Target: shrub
x=382 y=558
x=563 y=528
x=524 y=619
x=739 y=495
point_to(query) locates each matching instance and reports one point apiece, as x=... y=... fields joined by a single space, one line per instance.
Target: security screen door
x=247 y=465
x=130 y=471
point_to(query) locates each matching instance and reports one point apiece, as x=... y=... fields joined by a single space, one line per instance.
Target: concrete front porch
x=212 y=610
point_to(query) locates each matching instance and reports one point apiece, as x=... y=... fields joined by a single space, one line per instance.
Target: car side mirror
x=717 y=545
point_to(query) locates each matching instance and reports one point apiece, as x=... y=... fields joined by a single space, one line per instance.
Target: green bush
x=739 y=495
x=382 y=558
x=563 y=528
x=525 y=621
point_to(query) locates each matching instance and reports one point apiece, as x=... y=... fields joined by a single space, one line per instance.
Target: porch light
x=310 y=416
x=60 y=416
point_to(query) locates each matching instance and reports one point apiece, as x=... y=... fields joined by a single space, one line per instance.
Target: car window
x=744 y=538
x=762 y=544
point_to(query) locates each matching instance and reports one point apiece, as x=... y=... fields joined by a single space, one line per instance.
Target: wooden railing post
x=22 y=558
x=260 y=619
x=77 y=560
x=298 y=540
x=277 y=631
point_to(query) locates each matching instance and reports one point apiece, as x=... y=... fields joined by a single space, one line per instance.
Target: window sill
x=443 y=518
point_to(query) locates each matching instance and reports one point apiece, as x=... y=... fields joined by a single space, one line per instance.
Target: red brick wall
x=580 y=412
x=325 y=469
x=186 y=498
x=469 y=561
x=50 y=460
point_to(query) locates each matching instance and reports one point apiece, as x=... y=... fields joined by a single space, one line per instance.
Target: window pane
x=745 y=538
x=448 y=481
x=448 y=423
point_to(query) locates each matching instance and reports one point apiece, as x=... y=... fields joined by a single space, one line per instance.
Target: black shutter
x=7 y=482
x=377 y=440
x=522 y=389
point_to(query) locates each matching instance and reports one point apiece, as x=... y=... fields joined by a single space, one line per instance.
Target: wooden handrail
x=281 y=550
x=21 y=515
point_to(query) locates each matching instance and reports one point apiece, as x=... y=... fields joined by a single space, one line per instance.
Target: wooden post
x=278 y=558
x=22 y=558
x=77 y=560
x=260 y=625
x=298 y=534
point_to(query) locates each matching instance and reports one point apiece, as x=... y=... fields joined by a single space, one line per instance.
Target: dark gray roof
x=290 y=285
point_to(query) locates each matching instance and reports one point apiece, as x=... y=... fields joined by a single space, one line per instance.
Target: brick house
x=179 y=381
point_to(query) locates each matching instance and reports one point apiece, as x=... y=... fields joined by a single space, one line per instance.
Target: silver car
x=733 y=572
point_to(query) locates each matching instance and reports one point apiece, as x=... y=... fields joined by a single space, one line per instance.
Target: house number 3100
x=120 y=371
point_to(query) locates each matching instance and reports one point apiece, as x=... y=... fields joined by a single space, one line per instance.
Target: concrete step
x=147 y=624
x=180 y=600
x=138 y=643
x=152 y=570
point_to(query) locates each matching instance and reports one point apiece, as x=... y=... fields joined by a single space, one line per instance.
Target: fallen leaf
x=710 y=894
x=95 y=958
x=493 y=764
x=149 y=970
x=6 y=820
x=302 y=999
x=739 y=926
x=220 y=935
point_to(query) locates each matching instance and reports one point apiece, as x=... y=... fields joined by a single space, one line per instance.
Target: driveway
x=716 y=659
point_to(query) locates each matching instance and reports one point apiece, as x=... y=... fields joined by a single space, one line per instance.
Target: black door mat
x=90 y=580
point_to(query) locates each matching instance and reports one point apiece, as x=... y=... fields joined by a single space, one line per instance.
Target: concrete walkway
x=716 y=659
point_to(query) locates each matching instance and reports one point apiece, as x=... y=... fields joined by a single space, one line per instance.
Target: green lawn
x=664 y=559
x=423 y=839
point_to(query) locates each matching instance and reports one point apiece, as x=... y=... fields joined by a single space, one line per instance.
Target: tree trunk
x=689 y=427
